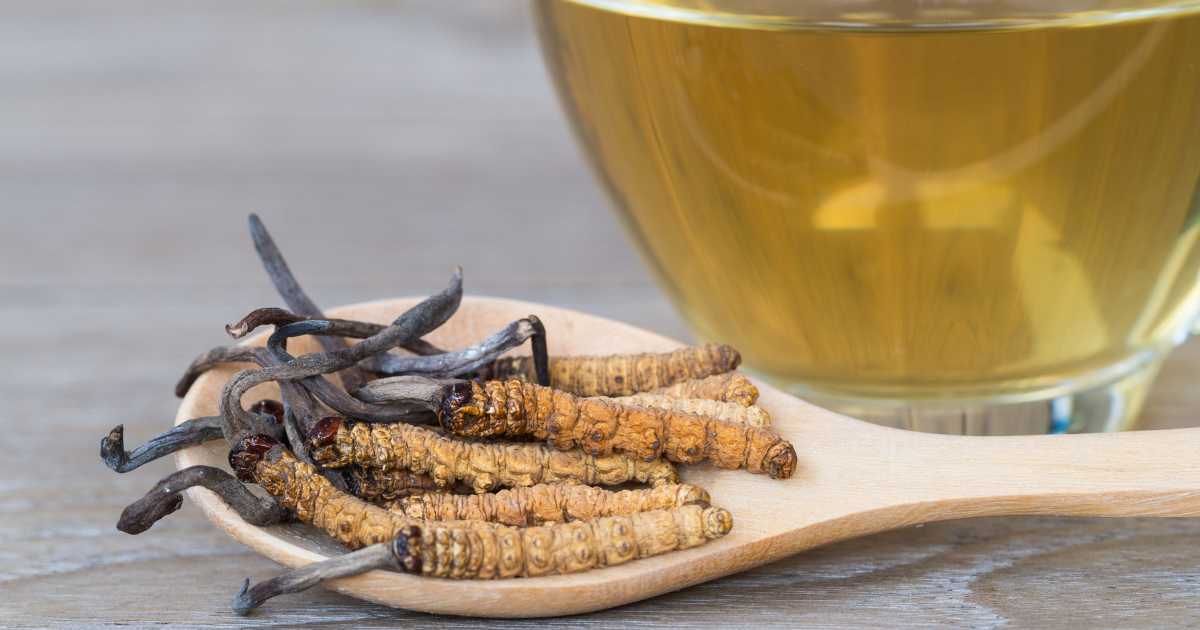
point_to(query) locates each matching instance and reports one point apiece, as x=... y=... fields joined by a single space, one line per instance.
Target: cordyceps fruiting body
x=600 y=427
x=752 y=416
x=623 y=374
x=483 y=466
x=730 y=387
x=547 y=504
x=472 y=548
x=687 y=405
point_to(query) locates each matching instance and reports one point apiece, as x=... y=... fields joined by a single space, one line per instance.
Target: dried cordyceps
x=753 y=416
x=295 y=297
x=514 y=408
x=307 y=370
x=325 y=391
x=467 y=360
x=272 y=316
x=164 y=499
x=482 y=466
x=195 y=431
x=356 y=524
x=454 y=551
x=547 y=504
x=461 y=362
x=297 y=300
x=732 y=388
x=300 y=488
x=381 y=556
x=623 y=374
x=527 y=530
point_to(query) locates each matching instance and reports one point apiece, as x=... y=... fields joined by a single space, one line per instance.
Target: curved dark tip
x=541 y=356
x=242 y=604
x=112 y=449
x=184 y=384
x=139 y=517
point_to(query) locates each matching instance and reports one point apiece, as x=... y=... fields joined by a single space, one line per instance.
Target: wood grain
x=134 y=139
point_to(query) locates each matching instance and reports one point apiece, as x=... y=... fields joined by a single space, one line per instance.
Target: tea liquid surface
x=914 y=213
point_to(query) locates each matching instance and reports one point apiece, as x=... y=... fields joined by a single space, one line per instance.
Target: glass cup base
x=1112 y=405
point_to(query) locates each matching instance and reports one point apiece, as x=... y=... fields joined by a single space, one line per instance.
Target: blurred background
x=382 y=142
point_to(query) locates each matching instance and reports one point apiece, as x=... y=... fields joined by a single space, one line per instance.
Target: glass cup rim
x=882 y=16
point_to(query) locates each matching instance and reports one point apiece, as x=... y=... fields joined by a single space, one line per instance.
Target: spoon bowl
x=853 y=479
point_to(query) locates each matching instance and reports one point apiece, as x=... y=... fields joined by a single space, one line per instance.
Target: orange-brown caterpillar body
x=482 y=466
x=752 y=416
x=547 y=504
x=475 y=549
x=600 y=427
x=732 y=388
x=457 y=552
x=623 y=374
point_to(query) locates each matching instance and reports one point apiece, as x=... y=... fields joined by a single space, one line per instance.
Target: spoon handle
x=1140 y=473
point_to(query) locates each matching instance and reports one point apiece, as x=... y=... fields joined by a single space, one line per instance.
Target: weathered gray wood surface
x=383 y=142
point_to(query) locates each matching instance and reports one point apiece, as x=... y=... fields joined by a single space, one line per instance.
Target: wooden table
x=383 y=143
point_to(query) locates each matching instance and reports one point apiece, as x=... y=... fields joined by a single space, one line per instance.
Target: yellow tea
x=909 y=213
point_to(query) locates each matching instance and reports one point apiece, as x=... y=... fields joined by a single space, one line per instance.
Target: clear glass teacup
x=974 y=217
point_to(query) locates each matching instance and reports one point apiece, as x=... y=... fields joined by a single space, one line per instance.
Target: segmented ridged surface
x=543 y=504
x=480 y=465
x=600 y=427
x=476 y=549
x=731 y=388
x=457 y=552
x=352 y=521
x=751 y=416
x=624 y=374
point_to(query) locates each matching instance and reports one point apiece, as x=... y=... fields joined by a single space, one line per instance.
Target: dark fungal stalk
x=295 y=297
x=392 y=555
x=321 y=388
x=299 y=302
x=415 y=322
x=271 y=316
x=467 y=360
x=194 y=431
x=406 y=409
x=217 y=356
x=300 y=414
x=164 y=499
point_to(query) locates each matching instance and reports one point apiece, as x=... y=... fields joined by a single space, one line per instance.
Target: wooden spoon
x=853 y=479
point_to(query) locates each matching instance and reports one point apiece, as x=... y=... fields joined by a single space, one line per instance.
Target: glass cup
x=975 y=217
